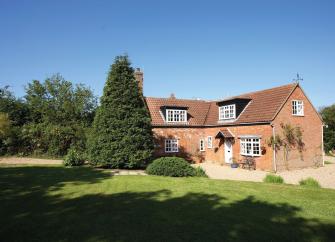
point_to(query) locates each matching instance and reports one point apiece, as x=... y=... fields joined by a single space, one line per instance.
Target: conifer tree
x=121 y=136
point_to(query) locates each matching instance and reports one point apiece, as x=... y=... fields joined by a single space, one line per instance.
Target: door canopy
x=224 y=134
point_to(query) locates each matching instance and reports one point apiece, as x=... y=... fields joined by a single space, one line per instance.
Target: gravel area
x=29 y=161
x=324 y=175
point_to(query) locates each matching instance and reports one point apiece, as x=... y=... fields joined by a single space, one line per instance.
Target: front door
x=228 y=150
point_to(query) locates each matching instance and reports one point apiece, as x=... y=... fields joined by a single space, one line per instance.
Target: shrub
x=273 y=179
x=309 y=182
x=74 y=158
x=328 y=162
x=173 y=166
x=198 y=171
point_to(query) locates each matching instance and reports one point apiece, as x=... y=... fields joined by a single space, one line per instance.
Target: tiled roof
x=262 y=108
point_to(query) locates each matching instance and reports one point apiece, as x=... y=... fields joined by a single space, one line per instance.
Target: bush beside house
x=173 y=166
x=74 y=157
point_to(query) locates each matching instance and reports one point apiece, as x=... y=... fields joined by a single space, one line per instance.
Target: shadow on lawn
x=28 y=213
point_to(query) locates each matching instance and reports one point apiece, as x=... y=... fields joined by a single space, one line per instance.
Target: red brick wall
x=312 y=134
x=188 y=139
x=189 y=143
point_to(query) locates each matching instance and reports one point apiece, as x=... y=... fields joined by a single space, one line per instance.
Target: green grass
x=309 y=182
x=273 y=179
x=328 y=162
x=81 y=204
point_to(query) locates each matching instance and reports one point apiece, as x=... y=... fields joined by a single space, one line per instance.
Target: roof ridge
x=268 y=89
x=215 y=100
x=254 y=92
x=179 y=99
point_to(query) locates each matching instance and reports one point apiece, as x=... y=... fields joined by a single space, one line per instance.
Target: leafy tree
x=328 y=116
x=61 y=114
x=121 y=135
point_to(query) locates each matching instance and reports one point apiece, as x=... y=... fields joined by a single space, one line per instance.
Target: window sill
x=250 y=155
x=298 y=115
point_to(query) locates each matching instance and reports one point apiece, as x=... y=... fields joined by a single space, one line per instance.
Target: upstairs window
x=202 y=145
x=250 y=147
x=174 y=115
x=227 y=112
x=298 y=108
x=171 y=145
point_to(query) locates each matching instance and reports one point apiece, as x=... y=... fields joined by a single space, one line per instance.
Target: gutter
x=274 y=148
x=173 y=125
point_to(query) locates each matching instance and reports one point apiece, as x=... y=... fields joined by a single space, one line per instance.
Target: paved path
x=324 y=175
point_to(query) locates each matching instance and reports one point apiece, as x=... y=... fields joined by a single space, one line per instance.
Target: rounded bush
x=172 y=166
x=273 y=179
x=74 y=158
x=309 y=182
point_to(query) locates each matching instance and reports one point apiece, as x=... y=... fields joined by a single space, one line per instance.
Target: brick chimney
x=139 y=78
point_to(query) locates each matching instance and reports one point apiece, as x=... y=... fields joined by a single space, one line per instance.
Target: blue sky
x=205 y=49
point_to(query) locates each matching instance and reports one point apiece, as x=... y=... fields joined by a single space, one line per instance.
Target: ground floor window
x=202 y=145
x=171 y=145
x=250 y=146
x=209 y=142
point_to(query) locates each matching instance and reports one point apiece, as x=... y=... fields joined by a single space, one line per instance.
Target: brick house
x=226 y=130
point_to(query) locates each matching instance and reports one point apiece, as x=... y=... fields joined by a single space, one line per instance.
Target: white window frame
x=250 y=146
x=227 y=112
x=202 y=145
x=209 y=142
x=297 y=108
x=176 y=116
x=171 y=145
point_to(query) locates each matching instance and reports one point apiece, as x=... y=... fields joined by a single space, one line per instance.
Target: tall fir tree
x=121 y=136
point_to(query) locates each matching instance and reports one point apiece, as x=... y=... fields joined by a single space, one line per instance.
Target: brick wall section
x=189 y=143
x=312 y=134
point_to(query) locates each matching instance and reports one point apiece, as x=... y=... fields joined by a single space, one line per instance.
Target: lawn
x=53 y=203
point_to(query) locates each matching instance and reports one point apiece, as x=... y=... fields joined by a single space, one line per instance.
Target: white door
x=228 y=150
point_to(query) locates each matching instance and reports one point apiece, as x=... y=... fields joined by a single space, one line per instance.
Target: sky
x=194 y=49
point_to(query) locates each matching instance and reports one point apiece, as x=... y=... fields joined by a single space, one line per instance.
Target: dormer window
x=227 y=112
x=297 y=108
x=176 y=115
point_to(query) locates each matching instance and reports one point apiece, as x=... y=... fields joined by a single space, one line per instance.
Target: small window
x=202 y=145
x=227 y=112
x=174 y=115
x=250 y=147
x=298 y=108
x=209 y=142
x=171 y=145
